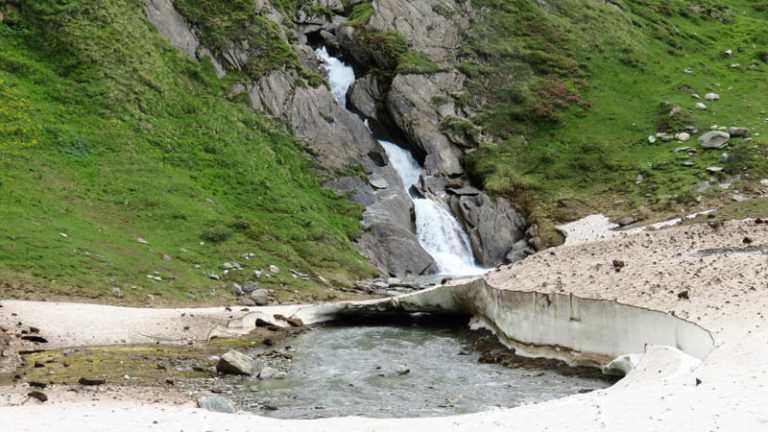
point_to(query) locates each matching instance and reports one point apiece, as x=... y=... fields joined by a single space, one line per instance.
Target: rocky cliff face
x=420 y=106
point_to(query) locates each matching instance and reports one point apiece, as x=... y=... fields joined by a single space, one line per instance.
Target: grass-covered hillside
x=109 y=134
x=572 y=90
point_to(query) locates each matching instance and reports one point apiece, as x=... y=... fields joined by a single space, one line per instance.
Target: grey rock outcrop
x=411 y=104
x=493 y=225
x=390 y=247
x=172 y=25
x=433 y=27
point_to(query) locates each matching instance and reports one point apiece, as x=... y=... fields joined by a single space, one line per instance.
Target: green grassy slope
x=109 y=134
x=574 y=89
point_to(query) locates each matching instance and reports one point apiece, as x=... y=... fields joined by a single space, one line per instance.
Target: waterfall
x=438 y=232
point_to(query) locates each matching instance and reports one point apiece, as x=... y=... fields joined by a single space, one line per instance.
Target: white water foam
x=340 y=75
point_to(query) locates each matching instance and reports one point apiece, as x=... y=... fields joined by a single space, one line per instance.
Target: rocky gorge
x=401 y=103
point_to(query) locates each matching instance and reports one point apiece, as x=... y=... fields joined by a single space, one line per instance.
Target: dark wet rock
x=618 y=265
x=366 y=96
x=236 y=363
x=493 y=225
x=34 y=339
x=91 y=381
x=216 y=403
x=739 y=132
x=683 y=295
x=466 y=190
x=292 y=321
x=37 y=394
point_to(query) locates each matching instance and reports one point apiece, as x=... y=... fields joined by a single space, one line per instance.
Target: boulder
x=714 y=139
x=519 y=251
x=366 y=95
x=260 y=297
x=216 y=403
x=271 y=373
x=493 y=225
x=236 y=363
x=396 y=250
x=740 y=132
x=250 y=287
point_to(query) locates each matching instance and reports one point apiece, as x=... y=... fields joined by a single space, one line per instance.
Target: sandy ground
x=723 y=272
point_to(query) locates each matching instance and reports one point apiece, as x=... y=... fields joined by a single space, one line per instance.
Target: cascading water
x=439 y=233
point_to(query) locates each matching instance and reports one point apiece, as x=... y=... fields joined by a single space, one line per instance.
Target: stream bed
x=397 y=371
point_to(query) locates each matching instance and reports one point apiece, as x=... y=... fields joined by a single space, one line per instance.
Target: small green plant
x=216 y=234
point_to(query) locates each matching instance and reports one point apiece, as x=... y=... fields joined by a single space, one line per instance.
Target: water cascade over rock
x=438 y=231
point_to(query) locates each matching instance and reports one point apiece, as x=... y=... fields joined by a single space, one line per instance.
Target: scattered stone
x=403 y=372
x=712 y=96
x=701 y=106
x=698 y=382
x=142 y=241
x=237 y=290
x=250 y=287
x=34 y=339
x=683 y=136
x=715 y=169
x=683 y=295
x=639 y=179
x=740 y=132
x=271 y=373
x=714 y=139
x=728 y=52
x=260 y=322
x=747 y=240
x=293 y=322
x=91 y=381
x=764 y=182
x=651 y=139
x=274 y=269
x=236 y=363
x=165 y=257
x=214 y=276
x=687 y=164
x=117 y=292
x=724 y=158
x=618 y=265
x=37 y=394
x=260 y=297
x=257 y=274
x=739 y=198
x=216 y=403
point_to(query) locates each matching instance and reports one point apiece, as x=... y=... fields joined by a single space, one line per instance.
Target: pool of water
x=397 y=371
